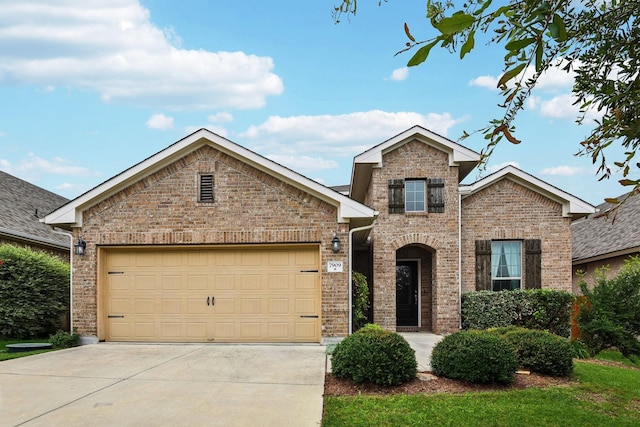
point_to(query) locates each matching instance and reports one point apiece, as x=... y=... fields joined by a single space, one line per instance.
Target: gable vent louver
x=206 y=188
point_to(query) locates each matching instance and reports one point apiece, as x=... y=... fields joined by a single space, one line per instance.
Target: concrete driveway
x=156 y=385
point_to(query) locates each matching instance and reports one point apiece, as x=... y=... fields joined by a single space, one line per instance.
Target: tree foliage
x=598 y=41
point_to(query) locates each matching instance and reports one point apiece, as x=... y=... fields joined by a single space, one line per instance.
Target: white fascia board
x=571 y=205
x=71 y=213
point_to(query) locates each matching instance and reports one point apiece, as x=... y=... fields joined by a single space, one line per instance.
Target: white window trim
x=519 y=278
x=424 y=195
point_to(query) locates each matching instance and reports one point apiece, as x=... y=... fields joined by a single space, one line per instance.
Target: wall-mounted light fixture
x=336 y=245
x=80 y=247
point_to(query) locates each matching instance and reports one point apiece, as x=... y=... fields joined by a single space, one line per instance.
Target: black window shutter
x=206 y=188
x=396 y=196
x=435 y=195
x=483 y=265
x=533 y=264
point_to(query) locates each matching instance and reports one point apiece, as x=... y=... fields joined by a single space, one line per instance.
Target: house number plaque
x=334 y=267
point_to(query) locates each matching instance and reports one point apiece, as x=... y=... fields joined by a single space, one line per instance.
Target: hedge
x=543 y=309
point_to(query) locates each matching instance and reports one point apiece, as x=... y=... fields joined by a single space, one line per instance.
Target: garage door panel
x=229 y=294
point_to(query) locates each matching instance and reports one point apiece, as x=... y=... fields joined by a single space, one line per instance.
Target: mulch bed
x=429 y=384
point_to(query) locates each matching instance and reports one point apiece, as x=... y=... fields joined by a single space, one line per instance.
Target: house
x=23 y=204
x=607 y=237
x=208 y=241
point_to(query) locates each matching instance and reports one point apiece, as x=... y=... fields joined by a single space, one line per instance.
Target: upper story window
x=506 y=265
x=205 y=188
x=416 y=195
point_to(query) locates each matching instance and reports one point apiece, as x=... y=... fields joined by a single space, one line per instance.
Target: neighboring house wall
x=250 y=207
x=506 y=210
x=587 y=271
x=433 y=237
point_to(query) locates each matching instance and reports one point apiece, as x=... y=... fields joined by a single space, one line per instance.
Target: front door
x=407 y=293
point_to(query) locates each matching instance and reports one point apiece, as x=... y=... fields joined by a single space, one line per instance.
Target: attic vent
x=205 y=195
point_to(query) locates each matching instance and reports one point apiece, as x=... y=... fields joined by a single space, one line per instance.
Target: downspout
x=366 y=227
x=70 y=236
x=459 y=260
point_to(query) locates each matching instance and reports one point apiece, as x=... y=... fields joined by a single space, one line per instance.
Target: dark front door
x=407 y=293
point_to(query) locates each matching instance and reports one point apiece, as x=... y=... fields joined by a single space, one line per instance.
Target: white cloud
x=337 y=135
x=562 y=171
x=222 y=117
x=113 y=49
x=495 y=168
x=160 y=122
x=399 y=74
x=489 y=82
x=305 y=163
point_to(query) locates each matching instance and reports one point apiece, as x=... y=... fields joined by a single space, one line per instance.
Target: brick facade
x=433 y=236
x=507 y=210
x=250 y=207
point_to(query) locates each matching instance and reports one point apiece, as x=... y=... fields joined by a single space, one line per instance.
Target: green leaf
x=518 y=44
x=509 y=74
x=468 y=45
x=557 y=29
x=421 y=54
x=539 y=52
x=455 y=23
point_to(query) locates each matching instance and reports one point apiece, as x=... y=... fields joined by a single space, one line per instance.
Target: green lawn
x=5 y=355
x=603 y=396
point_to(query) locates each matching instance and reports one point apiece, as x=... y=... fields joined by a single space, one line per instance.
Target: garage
x=236 y=293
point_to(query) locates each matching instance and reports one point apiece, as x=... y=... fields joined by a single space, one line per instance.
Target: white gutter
x=366 y=227
x=460 y=260
x=70 y=236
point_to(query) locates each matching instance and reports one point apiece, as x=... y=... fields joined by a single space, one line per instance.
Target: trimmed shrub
x=62 y=339
x=34 y=292
x=610 y=316
x=376 y=356
x=475 y=356
x=543 y=309
x=542 y=352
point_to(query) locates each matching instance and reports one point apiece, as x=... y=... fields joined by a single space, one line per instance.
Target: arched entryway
x=415 y=276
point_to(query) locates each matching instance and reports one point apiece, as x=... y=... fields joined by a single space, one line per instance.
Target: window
x=414 y=195
x=506 y=265
x=205 y=192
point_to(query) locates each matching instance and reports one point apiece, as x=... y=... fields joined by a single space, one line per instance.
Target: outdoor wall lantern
x=80 y=247
x=335 y=243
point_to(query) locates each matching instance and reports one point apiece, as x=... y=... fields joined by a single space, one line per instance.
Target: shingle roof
x=19 y=201
x=600 y=234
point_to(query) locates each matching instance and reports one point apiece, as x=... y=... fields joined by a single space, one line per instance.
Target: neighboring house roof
x=342 y=189
x=21 y=206
x=606 y=233
x=571 y=205
x=364 y=163
x=71 y=214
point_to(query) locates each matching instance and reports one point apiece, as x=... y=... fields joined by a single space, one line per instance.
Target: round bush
x=475 y=356
x=374 y=355
x=542 y=351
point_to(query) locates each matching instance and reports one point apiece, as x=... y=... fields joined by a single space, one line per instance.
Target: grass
x=5 y=355
x=602 y=396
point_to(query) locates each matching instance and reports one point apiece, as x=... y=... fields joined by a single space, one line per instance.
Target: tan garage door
x=230 y=294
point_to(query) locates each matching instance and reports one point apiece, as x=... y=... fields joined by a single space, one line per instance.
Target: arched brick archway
x=415 y=238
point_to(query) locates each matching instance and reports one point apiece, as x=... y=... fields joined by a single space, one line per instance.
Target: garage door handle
x=213 y=300
x=207 y=300
x=111 y=316
x=309 y=316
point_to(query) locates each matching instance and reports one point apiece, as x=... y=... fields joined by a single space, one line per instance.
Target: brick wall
x=507 y=210
x=250 y=207
x=433 y=232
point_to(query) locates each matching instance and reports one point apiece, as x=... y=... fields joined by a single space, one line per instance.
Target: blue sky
x=90 y=88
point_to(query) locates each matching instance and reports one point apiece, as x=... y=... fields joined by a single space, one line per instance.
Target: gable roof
x=364 y=163
x=571 y=205
x=22 y=205
x=70 y=215
x=601 y=236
